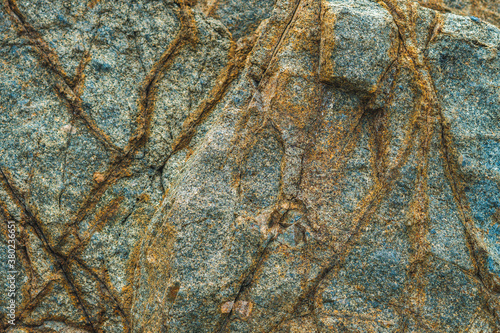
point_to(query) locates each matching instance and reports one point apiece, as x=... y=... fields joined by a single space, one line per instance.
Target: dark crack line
x=247 y=281
x=66 y=87
x=283 y=35
x=107 y=288
x=367 y=210
x=146 y=105
x=58 y=259
x=35 y=300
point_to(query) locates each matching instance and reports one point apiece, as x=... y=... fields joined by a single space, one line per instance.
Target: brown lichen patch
x=72 y=242
x=238 y=54
x=319 y=131
x=69 y=88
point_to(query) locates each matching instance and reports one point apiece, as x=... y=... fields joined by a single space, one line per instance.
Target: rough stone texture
x=345 y=24
x=477 y=10
x=251 y=166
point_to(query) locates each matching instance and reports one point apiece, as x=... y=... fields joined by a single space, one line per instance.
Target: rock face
x=251 y=166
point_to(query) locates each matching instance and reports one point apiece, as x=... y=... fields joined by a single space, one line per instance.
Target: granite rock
x=250 y=166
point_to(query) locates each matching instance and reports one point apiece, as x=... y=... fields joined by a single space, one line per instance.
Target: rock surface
x=251 y=166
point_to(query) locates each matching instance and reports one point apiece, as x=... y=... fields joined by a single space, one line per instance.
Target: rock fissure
x=282 y=166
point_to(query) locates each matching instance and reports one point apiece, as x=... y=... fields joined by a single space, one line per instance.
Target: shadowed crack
x=223 y=81
x=247 y=281
x=406 y=24
x=59 y=261
x=426 y=119
x=70 y=89
x=147 y=96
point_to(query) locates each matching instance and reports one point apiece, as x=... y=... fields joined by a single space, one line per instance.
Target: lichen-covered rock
x=345 y=24
x=250 y=166
x=477 y=11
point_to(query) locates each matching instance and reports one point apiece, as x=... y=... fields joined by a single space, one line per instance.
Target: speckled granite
x=251 y=166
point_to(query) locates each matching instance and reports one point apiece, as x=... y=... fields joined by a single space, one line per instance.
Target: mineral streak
x=251 y=165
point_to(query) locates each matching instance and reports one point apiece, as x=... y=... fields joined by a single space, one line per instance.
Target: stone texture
x=251 y=166
x=345 y=24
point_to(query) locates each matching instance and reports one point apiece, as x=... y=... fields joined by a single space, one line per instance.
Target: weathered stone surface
x=345 y=24
x=251 y=166
x=476 y=10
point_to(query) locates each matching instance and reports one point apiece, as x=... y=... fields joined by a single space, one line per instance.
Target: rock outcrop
x=251 y=166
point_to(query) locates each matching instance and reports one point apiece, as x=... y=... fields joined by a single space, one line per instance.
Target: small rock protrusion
x=68 y=128
x=227 y=307
x=98 y=177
